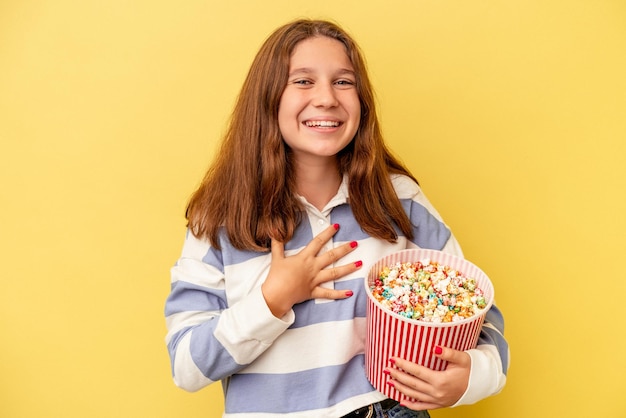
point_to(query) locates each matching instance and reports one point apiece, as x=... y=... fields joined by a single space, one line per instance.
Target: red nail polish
x=358 y=263
x=387 y=372
x=438 y=350
x=390 y=383
x=392 y=361
x=336 y=226
x=349 y=293
x=353 y=244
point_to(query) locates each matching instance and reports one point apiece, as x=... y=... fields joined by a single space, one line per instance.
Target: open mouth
x=322 y=123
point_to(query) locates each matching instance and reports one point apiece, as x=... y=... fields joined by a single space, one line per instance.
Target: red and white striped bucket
x=392 y=335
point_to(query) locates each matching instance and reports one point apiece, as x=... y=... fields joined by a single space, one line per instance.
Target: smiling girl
x=267 y=296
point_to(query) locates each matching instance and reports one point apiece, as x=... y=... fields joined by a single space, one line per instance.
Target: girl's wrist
x=276 y=304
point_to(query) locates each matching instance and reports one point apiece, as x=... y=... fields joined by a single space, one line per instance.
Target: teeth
x=321 y=123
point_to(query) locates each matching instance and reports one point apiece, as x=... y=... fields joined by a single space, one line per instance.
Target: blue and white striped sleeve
x=490 y=359
x=207 y=339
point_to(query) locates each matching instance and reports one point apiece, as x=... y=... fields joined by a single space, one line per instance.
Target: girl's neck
x=318 y=183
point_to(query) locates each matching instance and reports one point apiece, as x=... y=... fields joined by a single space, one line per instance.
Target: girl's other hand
x=429 y=389
x=297 y=278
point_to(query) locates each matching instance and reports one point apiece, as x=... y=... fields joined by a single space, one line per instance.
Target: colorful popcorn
x=428 y=291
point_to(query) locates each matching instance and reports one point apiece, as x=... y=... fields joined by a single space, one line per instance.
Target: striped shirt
x=309 y=363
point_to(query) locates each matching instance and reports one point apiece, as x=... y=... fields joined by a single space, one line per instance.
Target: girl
x=268 y=295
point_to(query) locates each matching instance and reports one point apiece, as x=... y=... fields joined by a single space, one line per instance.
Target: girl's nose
x=325 y=96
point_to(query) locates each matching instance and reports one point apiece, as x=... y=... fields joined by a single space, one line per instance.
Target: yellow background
x=512 y=114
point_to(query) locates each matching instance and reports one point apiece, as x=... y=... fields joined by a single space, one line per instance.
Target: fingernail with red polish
x=336 y=226
x=387 y=372
x=438 y=350
x=358 y=263
x=353 y=244
x=392 y=361
x=349 y=293
x=390 y=383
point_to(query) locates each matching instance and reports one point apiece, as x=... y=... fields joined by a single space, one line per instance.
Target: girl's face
x=319 y=110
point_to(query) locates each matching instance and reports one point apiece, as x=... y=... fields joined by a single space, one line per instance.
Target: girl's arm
x=210 y=339
x=481 y=371
x=207 y=339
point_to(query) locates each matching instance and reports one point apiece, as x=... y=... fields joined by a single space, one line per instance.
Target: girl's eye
x=301 y=82
x=345 y=83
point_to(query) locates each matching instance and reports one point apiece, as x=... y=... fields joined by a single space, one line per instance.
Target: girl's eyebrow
x=307 y=70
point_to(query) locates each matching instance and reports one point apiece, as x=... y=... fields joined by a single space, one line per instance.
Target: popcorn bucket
x=392 y=335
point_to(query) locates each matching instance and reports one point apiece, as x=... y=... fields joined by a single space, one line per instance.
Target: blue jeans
x=388 y=409
x=397 y=411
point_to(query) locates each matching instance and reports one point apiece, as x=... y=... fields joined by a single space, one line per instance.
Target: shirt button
x=321 y=222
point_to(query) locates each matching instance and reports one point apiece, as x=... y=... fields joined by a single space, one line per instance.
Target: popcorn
x=428 y=291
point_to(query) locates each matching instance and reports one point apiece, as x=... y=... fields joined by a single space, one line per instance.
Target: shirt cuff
x=247 y=329
x=486 y=377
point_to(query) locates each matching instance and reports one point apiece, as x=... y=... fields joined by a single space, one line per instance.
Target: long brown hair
x=250 y=187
